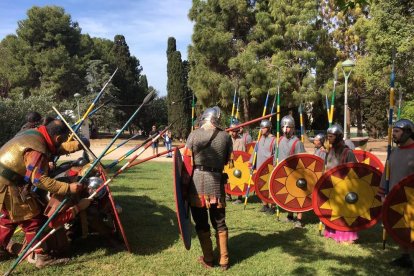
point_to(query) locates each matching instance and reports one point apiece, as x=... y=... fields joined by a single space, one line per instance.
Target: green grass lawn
x=258 y=244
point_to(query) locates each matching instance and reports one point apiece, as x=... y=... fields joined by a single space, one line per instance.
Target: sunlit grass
x=258 y=244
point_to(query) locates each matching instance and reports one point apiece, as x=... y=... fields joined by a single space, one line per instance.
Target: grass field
x=258 y=244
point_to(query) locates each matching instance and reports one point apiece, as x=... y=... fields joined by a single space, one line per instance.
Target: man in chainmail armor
x=211 y=149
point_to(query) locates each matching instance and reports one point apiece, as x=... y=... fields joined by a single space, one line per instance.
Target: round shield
x=181 y=204
x=291 y=182
x=261 y=180
x=345 y=197
x=368 y=158
x=250 y=147
x=238 y=175
x=398 y=212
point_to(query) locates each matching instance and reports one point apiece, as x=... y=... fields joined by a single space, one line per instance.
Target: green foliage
x=51 y=59
x=258 y=243
x=407 y=110
x=13 y=113
x=178 y=97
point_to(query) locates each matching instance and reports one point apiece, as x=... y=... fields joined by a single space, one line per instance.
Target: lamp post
x=77 y=96
x=347 y=66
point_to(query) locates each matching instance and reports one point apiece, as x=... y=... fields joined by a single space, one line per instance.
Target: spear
x=148 y=141
x=123 y=143
x=95 y=110
x=127 y=164
x=238 y=109
x=302 y=129
x=92 y=105
x=250 y=122
x=277 y=134
x=148 y=98
x=255 y=154
x=399 y=105
x=332 y=107
x=154 y=156
x=118 y=220
x=327 y=106
x=233 y=107
x=277 y=101
x=390 y=117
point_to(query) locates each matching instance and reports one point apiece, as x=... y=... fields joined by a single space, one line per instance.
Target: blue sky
x=145 y=24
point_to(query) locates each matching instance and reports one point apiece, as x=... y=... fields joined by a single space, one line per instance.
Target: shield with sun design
x=261 y=180
x=345 y=197
x=398 y=212
x=291 y=182
x=250 y=147
x=368 y=158
x=239 y=174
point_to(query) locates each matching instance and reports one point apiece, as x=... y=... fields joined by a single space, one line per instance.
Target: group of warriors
x=316 y=181
x=32 y=186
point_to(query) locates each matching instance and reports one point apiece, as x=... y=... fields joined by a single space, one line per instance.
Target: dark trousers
x=217 y=218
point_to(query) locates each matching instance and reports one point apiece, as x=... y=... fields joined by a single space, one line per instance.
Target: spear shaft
x=255 y=155
x=60 y=206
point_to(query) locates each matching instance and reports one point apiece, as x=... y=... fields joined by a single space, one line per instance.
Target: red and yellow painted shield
x=398 y=212
x=239 y=174
x=261 y=180
x=345 y=197
x=250 y=147
x=291 y=182
x=368 y=158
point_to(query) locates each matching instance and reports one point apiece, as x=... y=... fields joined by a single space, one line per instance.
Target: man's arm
x=37 y=170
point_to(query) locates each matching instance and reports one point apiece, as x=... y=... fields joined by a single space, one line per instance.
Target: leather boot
x=222 y=240
x=43 y=260
x=207 y=247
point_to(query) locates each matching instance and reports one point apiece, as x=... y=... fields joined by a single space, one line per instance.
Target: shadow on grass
x=308 y=252
x=149 y=227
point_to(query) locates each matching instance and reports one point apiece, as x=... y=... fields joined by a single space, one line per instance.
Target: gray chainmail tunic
x=286 y=147
x=401 y=165
x=339 y=155
x=265 y=149
x=211 y=148
x=321 y=152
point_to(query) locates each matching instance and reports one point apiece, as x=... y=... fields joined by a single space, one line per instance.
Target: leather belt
x=207 y=169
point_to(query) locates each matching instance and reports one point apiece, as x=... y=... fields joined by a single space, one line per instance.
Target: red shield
x=250 y=147
x=398 y=212
x=345 y=197
x=261 y=180
x=291 y=182
x=239 y=174
x=181 y=204
x=368 y=158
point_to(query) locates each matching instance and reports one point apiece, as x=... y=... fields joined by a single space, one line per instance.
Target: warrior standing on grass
x=290 y=144
x=338 y=154
x=320 y=149
x=265 y=150
x=211 y=150
x=401 y=165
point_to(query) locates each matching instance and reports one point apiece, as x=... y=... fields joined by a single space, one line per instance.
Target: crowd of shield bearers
x=339 y=152
x=25 y=159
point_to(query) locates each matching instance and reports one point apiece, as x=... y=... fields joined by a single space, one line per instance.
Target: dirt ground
x=377 y=147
